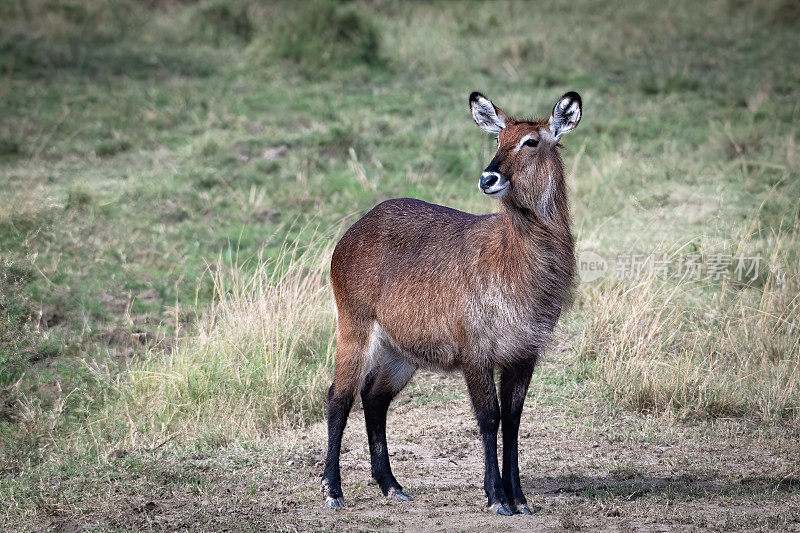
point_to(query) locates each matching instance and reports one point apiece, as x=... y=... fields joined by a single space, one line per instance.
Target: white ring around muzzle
x=496 y=188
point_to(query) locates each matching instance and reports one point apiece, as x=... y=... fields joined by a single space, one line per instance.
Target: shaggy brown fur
x=422 y=285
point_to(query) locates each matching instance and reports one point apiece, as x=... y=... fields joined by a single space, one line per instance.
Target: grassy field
x=174 y=175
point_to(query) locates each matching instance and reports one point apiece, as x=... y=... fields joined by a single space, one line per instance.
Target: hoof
x=500 y=508
x=399 y=495
x=521 y=508
x=334 y=503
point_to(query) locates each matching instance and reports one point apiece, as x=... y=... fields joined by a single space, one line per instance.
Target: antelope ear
x=566 y=114
x=486 y=115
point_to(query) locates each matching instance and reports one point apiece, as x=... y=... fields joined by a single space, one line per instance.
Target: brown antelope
x=422 y=285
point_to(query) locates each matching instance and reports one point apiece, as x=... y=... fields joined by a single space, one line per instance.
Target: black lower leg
x=375 y=410
x=514 y=383
x=338 y=410
x=480 y=382
x=376 y=395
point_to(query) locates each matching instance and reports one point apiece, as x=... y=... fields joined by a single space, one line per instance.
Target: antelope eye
x=531 y=142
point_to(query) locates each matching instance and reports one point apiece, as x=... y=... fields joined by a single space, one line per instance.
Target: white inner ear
x=566 y=116
x=486 y=117
x=572 y=115
x=554 y=128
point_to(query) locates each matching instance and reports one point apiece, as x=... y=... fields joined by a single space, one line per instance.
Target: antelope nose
x=488 y=179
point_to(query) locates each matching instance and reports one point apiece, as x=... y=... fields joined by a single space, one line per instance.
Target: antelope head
x=526 y=172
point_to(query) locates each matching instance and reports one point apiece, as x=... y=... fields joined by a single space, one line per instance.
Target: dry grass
x=681 y=346
x=261 y=355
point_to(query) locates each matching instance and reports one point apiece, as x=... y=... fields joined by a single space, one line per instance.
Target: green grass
x=676 y=345
x=155 y=156
x=261 y=354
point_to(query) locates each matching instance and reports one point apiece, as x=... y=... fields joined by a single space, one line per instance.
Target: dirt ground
x=583 y=468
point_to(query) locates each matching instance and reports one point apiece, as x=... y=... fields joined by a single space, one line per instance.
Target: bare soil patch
x=584 y=468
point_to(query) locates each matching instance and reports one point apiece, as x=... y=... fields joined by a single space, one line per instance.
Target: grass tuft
x=260 y=356
x=662 y=345
x=325 y=36
x=217 y=19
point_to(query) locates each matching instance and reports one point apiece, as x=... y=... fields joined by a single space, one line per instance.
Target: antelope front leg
x=482 y=391
x=514 y=383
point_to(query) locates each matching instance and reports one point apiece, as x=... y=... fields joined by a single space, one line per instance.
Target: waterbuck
x=425 y=286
